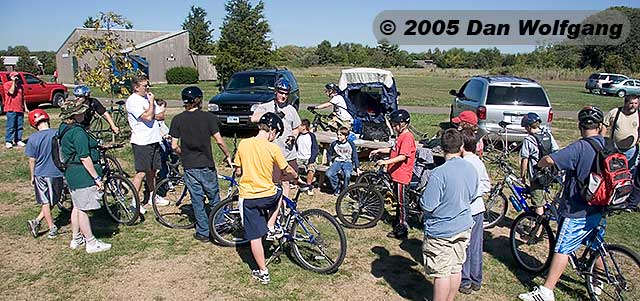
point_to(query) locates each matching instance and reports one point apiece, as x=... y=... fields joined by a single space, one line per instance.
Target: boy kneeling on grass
x=46 y=178
x=254 y=162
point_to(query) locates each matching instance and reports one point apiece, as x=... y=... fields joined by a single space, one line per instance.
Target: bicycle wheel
x=623 y=281
x=113 y=165
x=318 y=241
x=178 y=213
x=532 y=242
x=65 y=204
x=120 y=120
x=225 y=224
x=367 y=177
x=496 y=207
x=121 y=200
x=360 y=206
x=98 y=127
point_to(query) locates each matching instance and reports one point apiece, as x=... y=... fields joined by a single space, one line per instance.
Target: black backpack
x=543 y=176
x=56 y=151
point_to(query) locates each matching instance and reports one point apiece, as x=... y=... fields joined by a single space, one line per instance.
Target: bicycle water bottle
x=515 y=203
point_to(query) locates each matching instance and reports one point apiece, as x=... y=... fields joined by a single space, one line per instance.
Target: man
x=469 y=120
x=291 y=120
x=622 y=125
x=83 y=95
x=145 y=135
x=255 y=161
x=577 y=217
x=447 y=224
x=194 y=128
x=15 y=107
x=340 y=112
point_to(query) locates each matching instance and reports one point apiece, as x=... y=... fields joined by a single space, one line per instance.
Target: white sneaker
x=160 y=201
x=8 y=145
x=21 y=144
x=76 y=242
x=538 y=294
x=97 y=246
x=142 y=209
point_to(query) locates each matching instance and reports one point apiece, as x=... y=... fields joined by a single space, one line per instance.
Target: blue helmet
x=283 y=84
x=81 y=91
x=529 y=119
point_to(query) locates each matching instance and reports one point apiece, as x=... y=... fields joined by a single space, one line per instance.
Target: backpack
x=56 y=151
x=543 y=176
x=609 y=182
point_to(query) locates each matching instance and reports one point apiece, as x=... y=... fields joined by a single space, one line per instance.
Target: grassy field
x=151 y=262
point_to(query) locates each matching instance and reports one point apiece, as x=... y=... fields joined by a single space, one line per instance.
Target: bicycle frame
x=595 y=248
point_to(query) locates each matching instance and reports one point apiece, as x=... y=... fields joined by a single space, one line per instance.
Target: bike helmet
x=529 y=119
x=332 y=87
x=36 y=116
x=399 y=116
x=283 y=84
x=273 y=121
x=590 y=115
x=81 y=91
x=191 y=94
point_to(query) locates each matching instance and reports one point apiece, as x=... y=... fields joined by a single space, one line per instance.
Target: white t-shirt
x=485 y=183
x=304 y=146
x=142 y=132
x=340 y=108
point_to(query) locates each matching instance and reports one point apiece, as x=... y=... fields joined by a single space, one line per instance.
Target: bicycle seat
x=503 y=124
x=120 y=102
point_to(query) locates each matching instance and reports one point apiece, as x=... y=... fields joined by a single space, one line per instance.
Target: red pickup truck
x=36 y=91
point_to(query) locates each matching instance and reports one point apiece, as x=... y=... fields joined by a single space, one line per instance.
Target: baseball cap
x=466 y=116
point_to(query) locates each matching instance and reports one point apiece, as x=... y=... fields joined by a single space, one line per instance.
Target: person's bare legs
x=84 y=224
x=441 y=288
x=285 y=188
x=75 y=223
x=151 y=179
x=558 y=265
x=46 y=214
x=137 y=181
x=258 y=253
x=454 y=285
x=274 y=216
x=310 y=175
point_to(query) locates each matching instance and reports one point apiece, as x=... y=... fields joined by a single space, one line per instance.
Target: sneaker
x=76 y=242
x=200 y=237
x=597 y=287
x=34 y=227
x=476 y=287
x=262 y=276
x=538 y=294
x=21 y=144
x=8 y=145
x=53 y=232
x=310 y=192
x=275 y=233
x=97 y=246
x=160 y=201
x=142 y=209
x=465 y=289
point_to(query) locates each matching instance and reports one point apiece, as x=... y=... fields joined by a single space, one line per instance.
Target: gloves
x=311 y=108
x=290 y=141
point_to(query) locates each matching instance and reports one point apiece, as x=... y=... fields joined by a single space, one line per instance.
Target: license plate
x=516 y=119
x=233 y=119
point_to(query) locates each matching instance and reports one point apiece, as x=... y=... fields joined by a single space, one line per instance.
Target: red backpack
x=609 y=182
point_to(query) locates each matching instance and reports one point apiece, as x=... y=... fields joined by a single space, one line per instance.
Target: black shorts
x=146 y=157
x=48 y=190
x=256 y=212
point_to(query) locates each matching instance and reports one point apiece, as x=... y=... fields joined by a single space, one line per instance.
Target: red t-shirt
x=12 y=103
x=405 y=145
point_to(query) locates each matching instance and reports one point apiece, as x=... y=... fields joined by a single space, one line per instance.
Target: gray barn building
x=162 y=50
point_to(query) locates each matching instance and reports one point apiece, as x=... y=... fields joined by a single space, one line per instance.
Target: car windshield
x=593 y=76
x=524 y=96
x=251 y=81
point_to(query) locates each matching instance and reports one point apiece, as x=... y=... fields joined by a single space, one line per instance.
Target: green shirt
x=76 y=144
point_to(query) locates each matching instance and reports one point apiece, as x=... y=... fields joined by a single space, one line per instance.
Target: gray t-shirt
x=447 y=198
x=291 y=121
x=530 y=150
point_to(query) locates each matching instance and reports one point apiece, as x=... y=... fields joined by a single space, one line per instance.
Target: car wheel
x=57 y=99
x=621 y=93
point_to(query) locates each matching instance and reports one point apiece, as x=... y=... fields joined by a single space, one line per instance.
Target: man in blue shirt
x=578 y=218
x=448 y=221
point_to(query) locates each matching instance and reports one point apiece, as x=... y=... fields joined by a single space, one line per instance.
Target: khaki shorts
x=445 y=256
x=537 y=195
x=87 y=198
x=310 y=167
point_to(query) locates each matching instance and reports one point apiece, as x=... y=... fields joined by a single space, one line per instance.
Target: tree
x=90 y=22
x=325 y=53
x=112 y=68
x=18 y=50
x=243 y=40
x=200 y=33
x=27 y=64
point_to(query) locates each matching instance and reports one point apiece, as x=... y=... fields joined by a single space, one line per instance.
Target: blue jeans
x=334 y=169
x=632 y=157
x=15 y=127
x=472 y=267
x=201 y=181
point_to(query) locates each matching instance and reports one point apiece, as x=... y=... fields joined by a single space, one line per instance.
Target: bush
x=182 y=75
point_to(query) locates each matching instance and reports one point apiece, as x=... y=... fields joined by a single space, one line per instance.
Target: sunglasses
x=283 y=92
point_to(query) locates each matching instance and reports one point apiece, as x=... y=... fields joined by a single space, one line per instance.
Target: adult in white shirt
x=143 y=114
x=342 y=116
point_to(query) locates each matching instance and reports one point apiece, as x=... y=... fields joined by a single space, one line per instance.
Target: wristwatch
x=97 y=178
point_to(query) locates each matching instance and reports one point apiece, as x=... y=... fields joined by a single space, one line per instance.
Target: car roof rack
x=506 y=78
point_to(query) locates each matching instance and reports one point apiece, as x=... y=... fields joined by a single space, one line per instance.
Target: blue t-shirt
x=39 y=147
x=576 y=159
x=447 y=198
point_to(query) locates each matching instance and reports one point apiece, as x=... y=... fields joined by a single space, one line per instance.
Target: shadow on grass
x=500 y=249
x=102 y=225
x=399 y=272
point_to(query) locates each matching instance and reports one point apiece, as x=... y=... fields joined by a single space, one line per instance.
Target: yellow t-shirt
x=257 y=158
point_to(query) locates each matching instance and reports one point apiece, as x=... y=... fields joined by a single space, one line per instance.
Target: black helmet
x=332 y=87
x=190 y=94
x=590 y=115
x=273 y=121
x=399 y=116
x=529 y=119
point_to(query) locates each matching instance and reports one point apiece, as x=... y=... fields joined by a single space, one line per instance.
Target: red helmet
x=36 y=116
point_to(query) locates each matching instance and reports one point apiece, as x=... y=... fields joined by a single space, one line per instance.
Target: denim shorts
x=572 y=232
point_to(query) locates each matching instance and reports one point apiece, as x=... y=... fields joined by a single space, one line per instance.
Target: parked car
x=497 y=98
x=36 y=91
x=245 y=91
x=596 y=80
x=622 y=87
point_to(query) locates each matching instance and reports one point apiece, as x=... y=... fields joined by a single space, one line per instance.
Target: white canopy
x=365 y=75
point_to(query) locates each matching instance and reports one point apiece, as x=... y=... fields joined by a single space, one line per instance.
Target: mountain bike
x=323 y=121
x=100 y=128
x=313 y=237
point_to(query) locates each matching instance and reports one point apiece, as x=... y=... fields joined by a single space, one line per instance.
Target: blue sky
x=44 y=24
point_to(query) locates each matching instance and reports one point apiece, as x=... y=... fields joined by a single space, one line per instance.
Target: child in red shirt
x=400 y=168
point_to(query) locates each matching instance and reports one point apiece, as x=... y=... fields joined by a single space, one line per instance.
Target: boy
x=341 y=116
x=255 y=160
x=46 y=178
x=307 y=151
x=344 y=157
x=530 y=154
x=400 y=168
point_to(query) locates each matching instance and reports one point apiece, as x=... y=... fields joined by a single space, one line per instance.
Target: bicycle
x=313 y=237
x=323 y=121
x=617 y=277
x=100 y=128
